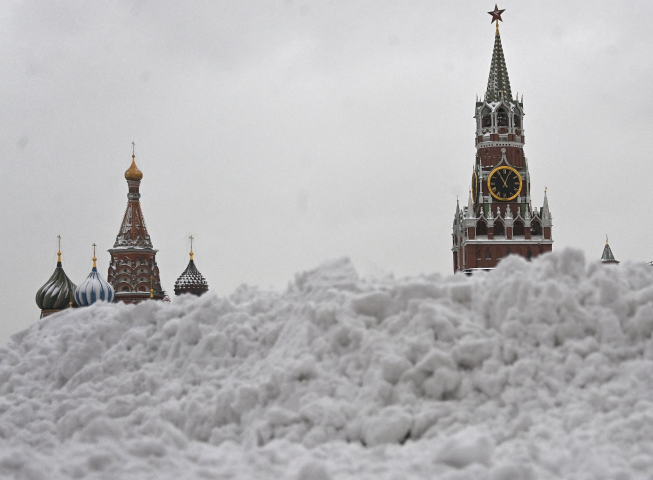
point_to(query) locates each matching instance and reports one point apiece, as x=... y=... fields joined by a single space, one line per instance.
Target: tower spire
x=498 y=84
x=608 y=256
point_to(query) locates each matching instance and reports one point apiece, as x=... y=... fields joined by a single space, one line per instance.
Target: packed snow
x=532 y=371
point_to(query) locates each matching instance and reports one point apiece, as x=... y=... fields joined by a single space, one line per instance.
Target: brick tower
x=499 y=219
x=133 y=271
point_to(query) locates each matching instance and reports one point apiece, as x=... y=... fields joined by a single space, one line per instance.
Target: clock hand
x=505 y=182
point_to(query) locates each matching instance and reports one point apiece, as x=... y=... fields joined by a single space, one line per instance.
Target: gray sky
x=283 y=133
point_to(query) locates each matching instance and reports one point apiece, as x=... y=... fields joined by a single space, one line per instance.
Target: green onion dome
x=57 y=292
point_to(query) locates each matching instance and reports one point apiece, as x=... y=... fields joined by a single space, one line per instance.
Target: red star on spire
x=496 y=14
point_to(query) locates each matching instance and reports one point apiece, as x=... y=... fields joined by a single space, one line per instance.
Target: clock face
x=504 y=183
x=474 y=186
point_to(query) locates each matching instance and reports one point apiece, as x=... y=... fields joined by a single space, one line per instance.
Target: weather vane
x=496 y=15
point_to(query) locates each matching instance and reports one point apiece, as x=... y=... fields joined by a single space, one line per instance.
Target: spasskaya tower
x=499 y=219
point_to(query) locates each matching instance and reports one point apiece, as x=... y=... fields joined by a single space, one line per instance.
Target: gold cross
x=133 y=149
x=94 y=245
x=59 y=249
x=191 y=247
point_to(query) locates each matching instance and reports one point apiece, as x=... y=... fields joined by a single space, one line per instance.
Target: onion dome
x=94 y=288
x=191 y=281
x=133 y=173
x=56 y=294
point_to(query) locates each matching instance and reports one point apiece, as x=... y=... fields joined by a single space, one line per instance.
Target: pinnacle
x=498 y=84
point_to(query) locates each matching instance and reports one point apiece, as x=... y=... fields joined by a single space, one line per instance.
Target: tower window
x=481 y=228
x=488 y=254
x=517 y=120
x=536 y=228
x=518 y=228
x=529 y=254
x=486 y=118
x=498 y=228
x=502 y=118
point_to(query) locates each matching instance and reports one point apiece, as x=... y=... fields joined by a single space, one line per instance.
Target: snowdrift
x=535 y=370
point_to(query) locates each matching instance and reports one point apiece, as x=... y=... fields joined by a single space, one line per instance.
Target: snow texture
x=533 y=371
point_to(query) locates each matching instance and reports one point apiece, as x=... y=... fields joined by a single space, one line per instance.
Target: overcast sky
x=284 y=133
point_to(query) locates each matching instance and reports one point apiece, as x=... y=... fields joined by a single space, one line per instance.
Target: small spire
x=606 y=239
x=191 y=247
x=94 y=257
x=59 y=249
x=470 y=205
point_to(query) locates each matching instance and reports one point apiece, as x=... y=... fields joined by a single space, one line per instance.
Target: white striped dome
x=93 y=289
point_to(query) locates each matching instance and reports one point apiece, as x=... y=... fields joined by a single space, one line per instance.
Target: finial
x=496 y=15
x=151 y=286
x=545 y=190
x=191 y=247
x=59 y=249
x=606 y=239
x=133 y=149
x=94 y=257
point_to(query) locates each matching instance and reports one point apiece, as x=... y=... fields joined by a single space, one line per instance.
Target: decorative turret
x=94 y=288
x=500 y=218
x=191 y=281
x=607 y=256
x=57 y=293
x=133 y=271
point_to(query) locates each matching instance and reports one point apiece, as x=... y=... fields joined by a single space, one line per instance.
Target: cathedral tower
x=133 y=271
x=499 y=219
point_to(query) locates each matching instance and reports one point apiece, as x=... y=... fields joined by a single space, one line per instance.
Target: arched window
x=529 y=254
x=141 y=288
x=488 y=254
x=481 y=228
x=508 y=251
x=486 y=117
x=125 y=289
x=499 y=229
x=518 y=228
x=536 y=227
x=517 y=119
x=502 y=117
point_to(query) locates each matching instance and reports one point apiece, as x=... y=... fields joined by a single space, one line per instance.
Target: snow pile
x=535 y=370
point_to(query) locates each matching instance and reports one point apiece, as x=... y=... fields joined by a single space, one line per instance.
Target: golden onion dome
x=133 y=173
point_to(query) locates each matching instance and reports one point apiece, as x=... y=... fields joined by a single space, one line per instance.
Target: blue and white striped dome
x=94 y=288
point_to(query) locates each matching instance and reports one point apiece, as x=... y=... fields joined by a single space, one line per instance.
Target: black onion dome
x=191 y=281
x=57 y=292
